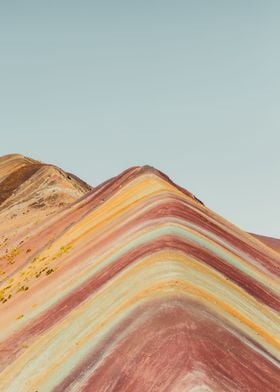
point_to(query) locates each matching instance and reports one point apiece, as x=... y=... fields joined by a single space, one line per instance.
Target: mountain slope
x=137 y=286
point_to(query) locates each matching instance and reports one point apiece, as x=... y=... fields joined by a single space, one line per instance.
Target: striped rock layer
x=133 y=285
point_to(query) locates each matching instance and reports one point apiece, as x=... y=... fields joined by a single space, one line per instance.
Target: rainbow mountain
x=130 y=286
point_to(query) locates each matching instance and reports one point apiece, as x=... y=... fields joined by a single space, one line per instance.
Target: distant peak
x=273 y=243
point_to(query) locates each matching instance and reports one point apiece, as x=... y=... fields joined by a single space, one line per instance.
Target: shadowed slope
x=137 y=286
x=13 y=162
x=13 y=181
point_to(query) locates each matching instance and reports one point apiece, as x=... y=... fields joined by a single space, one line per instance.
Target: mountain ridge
x=102 y=293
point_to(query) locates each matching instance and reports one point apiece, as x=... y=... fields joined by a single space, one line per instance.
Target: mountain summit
x=130 y=286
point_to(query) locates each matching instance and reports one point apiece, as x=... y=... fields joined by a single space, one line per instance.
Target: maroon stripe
x=10 y=348
x=164 y=340
x=179 y=209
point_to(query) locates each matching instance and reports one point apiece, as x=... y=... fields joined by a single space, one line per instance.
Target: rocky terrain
x=133 y=285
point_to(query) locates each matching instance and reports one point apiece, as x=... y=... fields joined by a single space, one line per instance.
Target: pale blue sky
x=190 y=87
